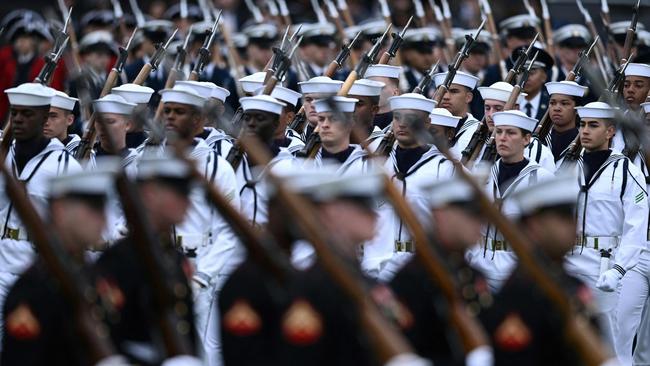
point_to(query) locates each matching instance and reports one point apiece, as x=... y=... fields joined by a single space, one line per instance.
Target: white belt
x=493 y=244
x=598 y=242
x=192 y=241
x=15 y=234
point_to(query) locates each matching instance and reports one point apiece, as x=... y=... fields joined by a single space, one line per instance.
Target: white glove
x=407 y=359
x=611 y=362
x=481 y=356
x=183 y=360
x=608 y=280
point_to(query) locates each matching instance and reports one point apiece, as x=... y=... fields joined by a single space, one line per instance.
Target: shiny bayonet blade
x=284 y=9
x=604 y=7
x=295 y=33
x=408 y=24
x=584 y=11
x=532 y=61
x=419 y=9
x=284 y=38
x=67 y=21
x=128 y=44
x=117 y=9
x=591 y=47
x=545 y=14
x=139 y=17
x=170 y=39
x=532 y=44
x=354 y=40
x=293 y=50
x=214 y=29
x=434 y=68
x=480 y=29
x=187 y=37
x=385 y=10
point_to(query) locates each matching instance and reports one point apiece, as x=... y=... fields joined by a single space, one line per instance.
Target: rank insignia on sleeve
x=111 y=295
x=512 y=334
x=22 y=324
x=241 y=319
x=392 y=307
x=301 y=324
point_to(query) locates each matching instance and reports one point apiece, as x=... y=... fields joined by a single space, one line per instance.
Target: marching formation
x=393 y=192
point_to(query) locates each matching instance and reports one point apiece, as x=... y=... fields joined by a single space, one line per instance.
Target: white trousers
x=642 y=350
x=207 y=324
x=635 y=288
x=605 y=307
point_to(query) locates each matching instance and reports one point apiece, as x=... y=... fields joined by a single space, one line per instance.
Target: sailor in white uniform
x=60 y=118
x=612 y=221
x=412 y=164
x=564 y=97
x=316 y=88
x=368 y=92
x=457 y=100
x=511 y=173
x=33 y=159
x=204 y=236
x=140 y=95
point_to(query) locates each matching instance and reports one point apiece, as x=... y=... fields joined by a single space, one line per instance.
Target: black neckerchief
x=592 y=161
x=406 y=158
x=383 y=120
x=99 y=151
x=204 y=135
x=508 y=172
x=278 y=143
x=340 y=156
x=460 y=124
x=135 y=139
x=561 y=140
x=26 y=150
x=66 y=140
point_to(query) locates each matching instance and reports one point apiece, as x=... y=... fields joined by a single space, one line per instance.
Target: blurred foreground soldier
x=205 y=238
x=457 y=101
x=389 y=75
x=113 y=123
x=511 y=173
x=418 y=56
x=140 y=95
x=564 y=97
x=537 y=97
x=40 y=326
x=60 y=118
x=516 y=31
x=164 y=186
x=412 y=162
x=34 y=160
x=319 y=87
x=456 y=221
x=368 y=92
x=612 y=216
x=524 y=324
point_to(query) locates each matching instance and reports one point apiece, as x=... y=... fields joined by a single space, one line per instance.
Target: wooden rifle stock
x=143 y=74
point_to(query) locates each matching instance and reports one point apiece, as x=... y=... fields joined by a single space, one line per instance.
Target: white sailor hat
x=182 y=94
x=646 y=107
x=519 y=22
x=499 y=91
x=35 y=27
x=202 y=88
x=596 y=110
x=322 y=184
x=174 y=12
x=320 y=85
x=30 y=95
x=95 y=40
x=63 y=101
x=265 y=31
x=442 y=117
x=566 y=88
x=113 y=103
x=86 y=183
x=311 y=30
x=351 y=32
x=461 y=78
x=620 y=28
x=572 y=35
x=636 y=69
x=558 y=191
x=422 y=35
x=343 y=104
x=158 y=25
x=97 y=17
x=385 y=71
x=458 y=34
x=514 y=118
x=412 y=101
x=441 y=193
x=163 y=166
x=252 y=82
x=372 y=27
x=283 y=94
x=200 y=28
x=134 y=93
x=366 y=88
x=262 y=103
x=239 y=40
x=643 y=37
x=220 y=93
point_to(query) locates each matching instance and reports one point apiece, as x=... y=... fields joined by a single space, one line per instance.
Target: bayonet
x=446 y=11
x=204 y=51
x=398 y=39
x=545 y=12
x=273 y=8
x=585 y=13
x=331 y=8
x=257 y=14
x=426 y=80
x=205 y=10
x=160 y=51
x=370 y=56
x=419 y=11
x=183 y=9
x=530 y=9
x=385 y=10
x=117 y=9
x=124 y=53
x=139 y=17
x=345 y=50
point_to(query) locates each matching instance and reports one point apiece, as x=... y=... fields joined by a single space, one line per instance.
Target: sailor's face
x=456 y=99
x=112 y=126
x=364 y=113
x=57 y=123
x=182 y=119
x=260 y=124
x=28 y=122
x=535 y=81
x=511 y=142
x=635 y=90
x=334 y=127
x=407 y=125
x=562 y=110
x=491 y=107
x=569 y=56
x=476 y=62
x=595 y=134
x=310 y=112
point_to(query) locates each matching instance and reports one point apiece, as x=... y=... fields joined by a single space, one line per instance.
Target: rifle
x=398 y=39
x=154 y=62
x=575 y=148
x=386 y=143
x=630 y=33
x=175 y=70
x=546 y=16
x=204 y=52
x=313 y=142
x=482 y=133
x=69 y=29
x=545 y=124
x=284 y=11
x=347 y=16
x=601 y=53
x=462 y=54
x=497 y=51
x=490 y=152
x=89 y=136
